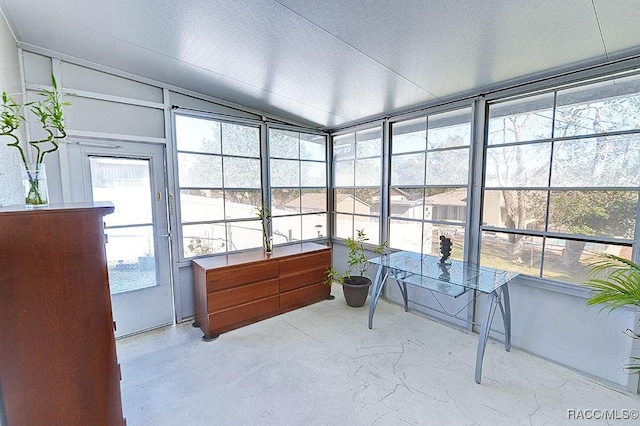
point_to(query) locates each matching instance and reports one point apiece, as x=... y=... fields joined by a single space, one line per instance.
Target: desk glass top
x=455 y=279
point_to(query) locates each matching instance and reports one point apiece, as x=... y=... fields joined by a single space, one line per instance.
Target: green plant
x=264 y=213
x=615 y=284
x=50 y=115
x=358 y=259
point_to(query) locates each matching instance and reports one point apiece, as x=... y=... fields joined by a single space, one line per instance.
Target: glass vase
x=34 y=182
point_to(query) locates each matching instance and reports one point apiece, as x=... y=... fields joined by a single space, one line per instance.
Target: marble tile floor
x=321 y=365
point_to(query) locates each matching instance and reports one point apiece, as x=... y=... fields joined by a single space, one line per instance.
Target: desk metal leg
x=376 y=290
x=505 y=309
x=499 y=297
x=405 y=297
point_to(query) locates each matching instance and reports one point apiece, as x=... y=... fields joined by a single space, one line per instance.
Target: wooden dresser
x=241 y=288
x=58 y=362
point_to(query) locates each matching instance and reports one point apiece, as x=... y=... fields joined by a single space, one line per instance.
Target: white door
x=131 y=176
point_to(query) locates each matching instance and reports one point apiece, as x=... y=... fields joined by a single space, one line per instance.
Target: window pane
x=368 y=172
x=603 y=213
x=407 y=169
x=130 y=258
x=518 y=166
x=286 y=229
x=200 y=171
x=203 y=239
x=371 y=198
x=314 y=200
x=313 y=147
x=449 y=129
x=285 y=201
x=598 y=162
x=283 y=144
x=285 y=173
x=240 y=140
x=344 y=225
x=515 y=209
x=241 y=204
x=370 y=226
x=446 y=204
x=241 y=172
x=314 y=226
x=313 y=173
x=344 y=200
x=369 y=143
x=409 y=136
x=609 y=106
x=197 y=134
x=405 y=235
x=344 y=147
x=201 y=205
x=344 y=173
x=511 y=252
x=126 y=183
x=448 y=167
x=407 y=202
x=431 y=239
x=521 y=120
x=244 y=235
x=567 y=260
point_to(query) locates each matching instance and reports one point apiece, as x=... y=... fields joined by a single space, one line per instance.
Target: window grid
x=297 y=224
x=433 y=201
x=552 y=231
x=217 y=217
x=361 y=188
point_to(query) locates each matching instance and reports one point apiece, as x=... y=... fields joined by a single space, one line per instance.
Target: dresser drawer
x=293 y=265
x=303 y=296
x=227 y=317
x=303 y=279
x=233 y=276
x=224 y=299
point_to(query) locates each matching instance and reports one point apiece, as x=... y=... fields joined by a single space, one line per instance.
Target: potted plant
x=355 y=285
x=616 y=284
x=51 y=118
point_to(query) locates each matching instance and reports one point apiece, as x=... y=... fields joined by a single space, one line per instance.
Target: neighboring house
x=313 y=202
x=449 y=206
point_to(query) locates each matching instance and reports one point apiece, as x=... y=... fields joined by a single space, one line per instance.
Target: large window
x=429 y=182
x=357 y=163
x=561 y=179
x=220 y=186
x=298 y=175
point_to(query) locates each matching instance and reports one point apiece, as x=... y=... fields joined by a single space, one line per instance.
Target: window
x=220 y=186
x=357 y=164
x=561 y=179
x=298 y=174
x=429 y=181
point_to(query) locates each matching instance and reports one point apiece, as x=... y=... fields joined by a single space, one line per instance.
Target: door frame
x=78 y=155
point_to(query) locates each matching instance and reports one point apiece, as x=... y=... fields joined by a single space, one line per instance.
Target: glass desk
x=454 y=280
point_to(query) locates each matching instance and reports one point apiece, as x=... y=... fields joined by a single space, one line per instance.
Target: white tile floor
x=321 y=365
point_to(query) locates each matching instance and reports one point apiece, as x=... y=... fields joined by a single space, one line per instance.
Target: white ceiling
x=332 y=62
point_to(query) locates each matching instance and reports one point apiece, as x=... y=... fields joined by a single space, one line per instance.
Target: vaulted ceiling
x=328 y=63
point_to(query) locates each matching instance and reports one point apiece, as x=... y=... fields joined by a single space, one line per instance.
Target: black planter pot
x=356 y=290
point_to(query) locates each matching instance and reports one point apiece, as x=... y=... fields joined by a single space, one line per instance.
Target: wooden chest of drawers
x=234 y=290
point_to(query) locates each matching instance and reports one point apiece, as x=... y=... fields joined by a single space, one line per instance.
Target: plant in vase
x=50 y=115
x=355 y=285
x=264 y=213
x=615 y=283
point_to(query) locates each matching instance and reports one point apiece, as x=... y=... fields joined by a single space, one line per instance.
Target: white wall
x=10 y=183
